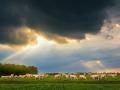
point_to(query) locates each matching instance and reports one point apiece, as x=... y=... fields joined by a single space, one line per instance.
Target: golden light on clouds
x=26 y=36
x=34 y=41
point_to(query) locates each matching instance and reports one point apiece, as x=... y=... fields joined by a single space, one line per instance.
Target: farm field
x=31 y=84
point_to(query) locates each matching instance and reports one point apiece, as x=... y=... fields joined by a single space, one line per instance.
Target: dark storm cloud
x=70 y=18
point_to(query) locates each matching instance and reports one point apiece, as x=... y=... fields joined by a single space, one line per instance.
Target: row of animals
x=60 y=75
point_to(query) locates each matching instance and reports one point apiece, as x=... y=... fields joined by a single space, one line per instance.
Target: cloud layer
x=72 y=19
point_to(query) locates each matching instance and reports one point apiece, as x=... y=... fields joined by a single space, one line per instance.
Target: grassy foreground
x=51 y=86
x=25 y=84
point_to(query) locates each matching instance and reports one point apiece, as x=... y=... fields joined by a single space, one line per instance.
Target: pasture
x=51 y=83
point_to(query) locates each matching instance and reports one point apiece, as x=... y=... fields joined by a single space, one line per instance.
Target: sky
x=61 y=35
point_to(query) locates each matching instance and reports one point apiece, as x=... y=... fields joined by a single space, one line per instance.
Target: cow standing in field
x=38 y=76
x=73 y=76
x=28 y=75
x=95 y=76
x=66 y=76
x=9 y=76
x=82 y=76
x=112 y=75
x=102 y=76
x=5 y=76
x=43 y=75
x=57 y=75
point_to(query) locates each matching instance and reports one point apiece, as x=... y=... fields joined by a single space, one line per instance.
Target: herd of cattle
x=65 y=75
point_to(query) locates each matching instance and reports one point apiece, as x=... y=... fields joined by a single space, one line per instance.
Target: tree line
x=8 y=69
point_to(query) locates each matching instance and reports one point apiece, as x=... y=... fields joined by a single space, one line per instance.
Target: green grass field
x=61 y=86
x=49 y=84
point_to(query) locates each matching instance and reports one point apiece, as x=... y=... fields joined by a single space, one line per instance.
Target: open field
x=57 y=86
x=50 y=84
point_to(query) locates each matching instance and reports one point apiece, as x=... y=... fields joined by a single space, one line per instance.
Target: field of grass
x=61 y=86
x=49 y=84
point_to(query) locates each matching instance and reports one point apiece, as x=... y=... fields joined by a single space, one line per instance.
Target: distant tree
x=7 y=69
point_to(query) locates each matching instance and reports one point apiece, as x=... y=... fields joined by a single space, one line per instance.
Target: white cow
x=102 y=75
x=73 y=76
x=35 y=76
x=57 y=75
x=43 y=75
x=82 y=76
x=113 y=75
x=66 y=76
x=29 y=75
x=5 y=76
x=95 y=76
x=9 y=76
x=21 y=76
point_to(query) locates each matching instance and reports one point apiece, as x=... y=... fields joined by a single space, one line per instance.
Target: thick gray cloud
x=70 y=18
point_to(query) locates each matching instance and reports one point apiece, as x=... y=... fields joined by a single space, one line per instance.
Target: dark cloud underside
x=70 y=18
